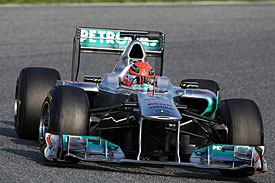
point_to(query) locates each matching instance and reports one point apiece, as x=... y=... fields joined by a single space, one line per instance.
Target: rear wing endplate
x=114 y=41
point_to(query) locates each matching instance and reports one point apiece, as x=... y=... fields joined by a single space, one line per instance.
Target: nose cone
x=158 y=108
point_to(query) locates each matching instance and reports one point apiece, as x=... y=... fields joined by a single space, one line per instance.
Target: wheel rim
x=44 y=121
x=15 y=113
x=15 y=110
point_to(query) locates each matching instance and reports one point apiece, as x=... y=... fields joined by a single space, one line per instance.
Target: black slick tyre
x=245 y=127
x=66 y=110
x=31 y=87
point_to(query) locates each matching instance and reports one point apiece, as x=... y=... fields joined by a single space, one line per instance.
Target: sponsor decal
x=18 y=109
x=99 y=38
x=257 y=158
x=189 y=85
x=49 y=96
x=160 y=105
x=48 y=139
x=162 y=111
x=199 y=153
x=219 y=148
x=157 y=101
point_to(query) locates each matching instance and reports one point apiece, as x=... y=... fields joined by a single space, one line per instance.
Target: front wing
x=94 y=148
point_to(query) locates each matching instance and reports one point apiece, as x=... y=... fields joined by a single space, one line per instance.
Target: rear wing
x=114 y=41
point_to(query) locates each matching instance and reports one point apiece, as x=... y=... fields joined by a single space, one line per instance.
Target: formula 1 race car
x=134 y=114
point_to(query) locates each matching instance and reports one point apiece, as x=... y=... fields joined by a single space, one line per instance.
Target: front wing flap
x=94 y=148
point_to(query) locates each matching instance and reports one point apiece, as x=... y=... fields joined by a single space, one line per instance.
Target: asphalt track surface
x=232 y=44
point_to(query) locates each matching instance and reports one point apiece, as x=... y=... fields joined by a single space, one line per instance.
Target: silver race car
x=134 y=114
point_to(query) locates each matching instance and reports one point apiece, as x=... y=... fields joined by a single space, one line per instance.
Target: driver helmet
x=140 y=73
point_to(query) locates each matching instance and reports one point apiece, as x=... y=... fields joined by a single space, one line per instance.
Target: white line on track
x=205 y=3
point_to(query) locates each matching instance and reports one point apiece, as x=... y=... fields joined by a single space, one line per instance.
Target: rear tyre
x=31 y=87
x=245 y=127
x=65 y=110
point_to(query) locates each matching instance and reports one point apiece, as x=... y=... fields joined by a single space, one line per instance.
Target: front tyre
x=66 y=110
x=245 y=127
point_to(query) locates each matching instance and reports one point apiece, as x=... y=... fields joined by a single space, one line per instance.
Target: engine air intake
x=136 y=52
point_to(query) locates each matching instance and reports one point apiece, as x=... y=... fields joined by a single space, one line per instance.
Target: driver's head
x=140 y=73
